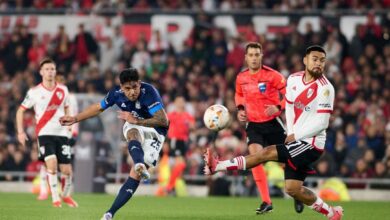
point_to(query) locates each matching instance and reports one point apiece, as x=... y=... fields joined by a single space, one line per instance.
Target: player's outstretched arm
x=159 y=119
x=89 y=112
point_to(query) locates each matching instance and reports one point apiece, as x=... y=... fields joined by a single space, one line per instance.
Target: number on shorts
x=66 y=151
x=156 y=144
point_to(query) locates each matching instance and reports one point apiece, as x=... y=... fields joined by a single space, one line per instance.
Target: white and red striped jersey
x=49 y=106
x=308 y=108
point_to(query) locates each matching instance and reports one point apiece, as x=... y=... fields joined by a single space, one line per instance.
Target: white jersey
x=49 y=106
x=308 y=108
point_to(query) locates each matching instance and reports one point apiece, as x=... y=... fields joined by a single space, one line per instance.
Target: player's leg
x=260 y=178
x=67 y=184
x=298 y=156
x=239 y=163
x=64 y=159
x=47 y=151
x=52 y=178
x=256 y=142
x=178 y=150
x=278 y=137
x=43 y=193
x=296 y=190
x=134 y=138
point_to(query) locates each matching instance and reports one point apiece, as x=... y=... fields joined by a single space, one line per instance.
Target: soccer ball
x=216 y=117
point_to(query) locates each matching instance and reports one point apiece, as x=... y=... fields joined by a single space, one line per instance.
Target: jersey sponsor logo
x=262 y=87
x=136 y=115
x=123 y=105
x=324 y=105
x=137 y=105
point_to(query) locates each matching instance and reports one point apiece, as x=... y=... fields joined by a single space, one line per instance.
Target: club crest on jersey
x=309 y=93
x=262 y=87
x=137 y=105
x=59 y=95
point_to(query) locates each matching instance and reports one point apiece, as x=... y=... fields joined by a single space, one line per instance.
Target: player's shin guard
x=260 y=178
x=125 y=193
x=136 y=152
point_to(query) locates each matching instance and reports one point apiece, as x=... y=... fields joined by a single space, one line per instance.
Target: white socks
x=53 y=183
x=43 y=180
x=66 y=184
x=321 y=207
x=237 y=163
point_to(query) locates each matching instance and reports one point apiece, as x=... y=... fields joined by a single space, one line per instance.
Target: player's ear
x=305 y=60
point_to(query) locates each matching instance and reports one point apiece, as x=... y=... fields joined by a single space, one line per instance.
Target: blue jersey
x=149 y=102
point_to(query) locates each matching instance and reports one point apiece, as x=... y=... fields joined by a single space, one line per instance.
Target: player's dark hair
x=317 y=48
x=44 y=61
x=253 y=45
x=129 y=75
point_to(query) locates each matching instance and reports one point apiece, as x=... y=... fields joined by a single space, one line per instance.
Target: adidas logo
x=123 y=105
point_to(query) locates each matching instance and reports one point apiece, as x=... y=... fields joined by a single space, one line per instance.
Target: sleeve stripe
x=155 y=109
x=103 y=104
x=324 y=111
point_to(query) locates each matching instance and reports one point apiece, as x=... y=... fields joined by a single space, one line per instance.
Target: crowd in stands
x=358 y=143
x=206 y=5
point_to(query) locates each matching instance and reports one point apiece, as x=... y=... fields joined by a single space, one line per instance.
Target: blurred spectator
x=85 y=45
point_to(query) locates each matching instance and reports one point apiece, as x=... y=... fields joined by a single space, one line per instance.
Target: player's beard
x=315 y=72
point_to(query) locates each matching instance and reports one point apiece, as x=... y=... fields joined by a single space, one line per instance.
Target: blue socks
x=136 y=151
x=125 y=193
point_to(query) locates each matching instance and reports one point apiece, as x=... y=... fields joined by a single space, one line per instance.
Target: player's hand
x=271 y=110
x=67 y=120
x=127 y=116
x=22 y=138
x=241 y=115
x=290 y=138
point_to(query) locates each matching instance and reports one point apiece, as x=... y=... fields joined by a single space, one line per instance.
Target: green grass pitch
x=15 y=206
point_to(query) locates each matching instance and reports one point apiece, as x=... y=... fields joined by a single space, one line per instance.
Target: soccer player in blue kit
x=145 y=128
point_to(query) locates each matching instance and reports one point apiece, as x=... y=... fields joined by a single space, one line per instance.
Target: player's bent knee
x=133 y=134
x=268 y=153
x=291 y=190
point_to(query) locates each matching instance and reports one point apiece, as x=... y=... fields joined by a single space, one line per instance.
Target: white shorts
x=151 y=142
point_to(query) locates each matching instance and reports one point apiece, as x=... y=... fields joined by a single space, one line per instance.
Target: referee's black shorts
x=298 y=157
x=266 y=133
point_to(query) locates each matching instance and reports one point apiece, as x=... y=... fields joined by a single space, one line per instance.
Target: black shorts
x=177 y=147
x=265 y=133
x=54 y=145
x=298 y=157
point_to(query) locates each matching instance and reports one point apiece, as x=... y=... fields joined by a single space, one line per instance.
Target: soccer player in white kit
x=309 y=98
x=50 y=102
